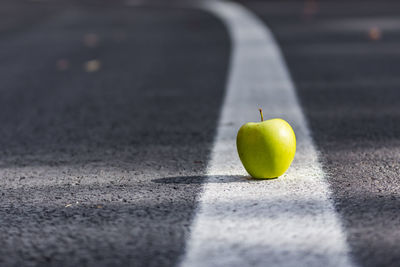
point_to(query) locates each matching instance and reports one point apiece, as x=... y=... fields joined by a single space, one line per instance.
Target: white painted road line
x=288 y=221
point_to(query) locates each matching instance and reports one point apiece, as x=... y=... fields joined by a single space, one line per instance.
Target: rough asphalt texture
x=87 y=157
x=348 y=82
x=108 y=114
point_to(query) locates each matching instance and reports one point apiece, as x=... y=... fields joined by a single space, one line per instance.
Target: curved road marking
x=289 y=221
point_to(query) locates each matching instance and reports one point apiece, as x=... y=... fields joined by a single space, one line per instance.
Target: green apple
x=266 y=148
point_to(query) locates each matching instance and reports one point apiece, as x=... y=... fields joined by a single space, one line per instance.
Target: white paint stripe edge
x=289 y=221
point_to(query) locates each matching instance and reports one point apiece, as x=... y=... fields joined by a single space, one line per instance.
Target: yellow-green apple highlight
x=266 y=148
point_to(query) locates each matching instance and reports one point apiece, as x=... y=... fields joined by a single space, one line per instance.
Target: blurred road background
x=108 y=110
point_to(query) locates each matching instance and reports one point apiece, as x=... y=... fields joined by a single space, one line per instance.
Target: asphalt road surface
x=109 y=112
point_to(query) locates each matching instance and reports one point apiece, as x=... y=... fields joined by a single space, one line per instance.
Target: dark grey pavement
x=108 y=113
x=345 y=60
x=100 y=105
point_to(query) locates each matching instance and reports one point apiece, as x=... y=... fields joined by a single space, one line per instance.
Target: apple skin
x=266 y=148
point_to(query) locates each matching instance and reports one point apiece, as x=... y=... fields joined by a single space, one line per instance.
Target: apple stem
x=262 y=118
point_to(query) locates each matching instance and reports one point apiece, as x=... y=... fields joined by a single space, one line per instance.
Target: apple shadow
x=200 y=179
